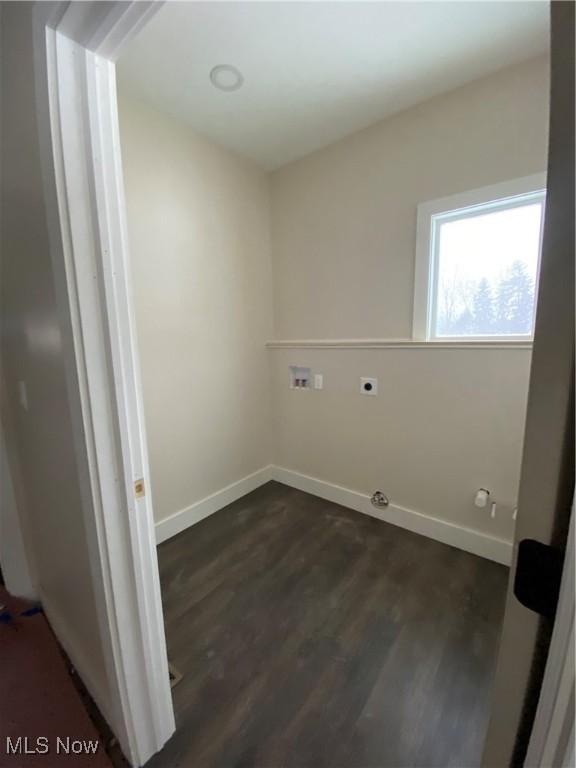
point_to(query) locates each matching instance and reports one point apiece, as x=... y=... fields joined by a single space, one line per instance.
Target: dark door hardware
x=538 y=576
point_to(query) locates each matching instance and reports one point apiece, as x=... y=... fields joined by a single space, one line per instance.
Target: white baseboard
x=468 y=539
x=183 y=519
x=65 y=636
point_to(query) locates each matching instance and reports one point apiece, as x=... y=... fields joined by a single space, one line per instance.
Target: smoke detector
x=225 y=77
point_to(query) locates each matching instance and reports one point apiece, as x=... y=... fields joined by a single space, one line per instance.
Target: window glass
x=486 y=270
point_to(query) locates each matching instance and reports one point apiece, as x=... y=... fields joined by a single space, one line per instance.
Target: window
x=478 y=256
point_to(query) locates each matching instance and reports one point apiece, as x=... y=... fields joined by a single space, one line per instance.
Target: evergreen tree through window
x=486 y=262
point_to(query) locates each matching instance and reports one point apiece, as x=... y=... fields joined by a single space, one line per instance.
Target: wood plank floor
x=311 y=636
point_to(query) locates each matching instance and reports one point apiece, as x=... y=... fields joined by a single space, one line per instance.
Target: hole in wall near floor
x=175 y=675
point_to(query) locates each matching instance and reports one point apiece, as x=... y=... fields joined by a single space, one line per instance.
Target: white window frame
x=434 y=212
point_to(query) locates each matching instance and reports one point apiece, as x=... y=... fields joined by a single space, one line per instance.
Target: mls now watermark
x=42 y=745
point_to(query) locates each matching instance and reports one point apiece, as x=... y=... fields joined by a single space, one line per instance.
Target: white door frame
x=76 y=45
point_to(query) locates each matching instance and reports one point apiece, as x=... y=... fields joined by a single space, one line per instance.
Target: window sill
x=394 y=344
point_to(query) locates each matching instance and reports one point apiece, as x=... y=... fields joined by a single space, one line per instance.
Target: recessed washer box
x=368 y=386
x=299 y=377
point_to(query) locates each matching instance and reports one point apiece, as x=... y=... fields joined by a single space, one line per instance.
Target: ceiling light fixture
x=226 y=78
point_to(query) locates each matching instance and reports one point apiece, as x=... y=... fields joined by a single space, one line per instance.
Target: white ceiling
x=315 y=72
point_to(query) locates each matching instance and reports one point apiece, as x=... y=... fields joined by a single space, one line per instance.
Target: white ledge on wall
x=393 y=344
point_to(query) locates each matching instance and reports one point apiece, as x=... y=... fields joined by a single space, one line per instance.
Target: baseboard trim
x=65 y=637
x=191 y=515
x=468 y=539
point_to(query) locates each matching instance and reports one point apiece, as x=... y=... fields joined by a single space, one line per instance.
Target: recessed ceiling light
x=226 y=78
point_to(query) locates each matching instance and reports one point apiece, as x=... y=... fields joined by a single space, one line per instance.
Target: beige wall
x=343 y=232
x=39 y=440
x=14 y=557
x=198 y=220
x=344 y=218
x=445 y=422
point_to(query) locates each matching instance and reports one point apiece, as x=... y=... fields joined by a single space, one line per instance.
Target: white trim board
x=83 y=192
x=184 y=518
x=458 y=536
x=468 y=539
x=394 y=344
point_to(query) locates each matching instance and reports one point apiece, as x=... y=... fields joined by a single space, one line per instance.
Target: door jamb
x=76 y=45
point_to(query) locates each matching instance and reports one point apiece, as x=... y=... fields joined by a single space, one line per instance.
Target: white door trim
x=79 y=139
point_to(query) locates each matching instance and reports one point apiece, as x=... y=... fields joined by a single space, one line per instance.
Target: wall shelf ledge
x=395 y=344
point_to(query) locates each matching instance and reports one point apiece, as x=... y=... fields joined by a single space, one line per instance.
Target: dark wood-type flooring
x=311 y=636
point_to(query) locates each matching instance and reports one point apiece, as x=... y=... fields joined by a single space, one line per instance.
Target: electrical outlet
x=318 y=381
x=368 y=385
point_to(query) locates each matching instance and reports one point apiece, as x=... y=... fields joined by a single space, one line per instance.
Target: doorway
x=111 y=303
